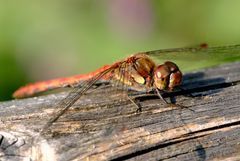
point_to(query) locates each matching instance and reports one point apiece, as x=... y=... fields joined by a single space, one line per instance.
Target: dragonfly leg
x=136 y=104
x=144 y=94
x=160 y=96
x=171 y=104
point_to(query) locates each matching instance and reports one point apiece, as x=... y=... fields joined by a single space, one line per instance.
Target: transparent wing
x=120 y=81
x=73 y=96
x=197 y=57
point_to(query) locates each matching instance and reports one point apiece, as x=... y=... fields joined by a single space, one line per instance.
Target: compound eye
x=172 y=66
x=175 y=79
x=161 y=76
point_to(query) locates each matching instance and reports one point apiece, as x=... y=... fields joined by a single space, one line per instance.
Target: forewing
x=197 y=57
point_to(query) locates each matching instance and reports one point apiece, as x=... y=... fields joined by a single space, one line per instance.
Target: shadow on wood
x=101 y=126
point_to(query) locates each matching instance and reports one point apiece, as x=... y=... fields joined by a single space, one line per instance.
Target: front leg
x=133 y=98
x=170 y=104
x=135 y=103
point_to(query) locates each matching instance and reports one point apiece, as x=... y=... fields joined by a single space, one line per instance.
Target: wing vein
x=72 y=97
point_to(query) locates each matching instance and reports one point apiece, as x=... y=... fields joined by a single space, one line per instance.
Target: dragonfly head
x=167 y=76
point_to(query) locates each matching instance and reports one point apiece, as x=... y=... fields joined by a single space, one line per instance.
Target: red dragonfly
x=138 y=71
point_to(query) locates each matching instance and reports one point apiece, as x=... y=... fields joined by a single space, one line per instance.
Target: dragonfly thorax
x=144 y=65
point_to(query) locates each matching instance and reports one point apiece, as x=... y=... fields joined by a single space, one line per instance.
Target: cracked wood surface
x=101 y=126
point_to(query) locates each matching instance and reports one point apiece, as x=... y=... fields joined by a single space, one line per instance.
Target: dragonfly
x=139 y=72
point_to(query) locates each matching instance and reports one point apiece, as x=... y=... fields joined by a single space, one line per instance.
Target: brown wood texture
x=104 y=125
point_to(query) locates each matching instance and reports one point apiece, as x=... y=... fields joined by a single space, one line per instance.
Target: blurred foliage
x=46 y=39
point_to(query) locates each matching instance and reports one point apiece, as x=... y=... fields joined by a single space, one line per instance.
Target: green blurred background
x=41 y=40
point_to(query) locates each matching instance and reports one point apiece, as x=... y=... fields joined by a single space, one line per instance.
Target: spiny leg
x=137 y=105
x=160 y=96
x=170 y=104
x=144 y=94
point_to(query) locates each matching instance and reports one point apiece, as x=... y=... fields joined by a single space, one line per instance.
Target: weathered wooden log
x=101 y=126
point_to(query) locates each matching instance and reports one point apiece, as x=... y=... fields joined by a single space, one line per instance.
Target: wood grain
x=101 y=126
